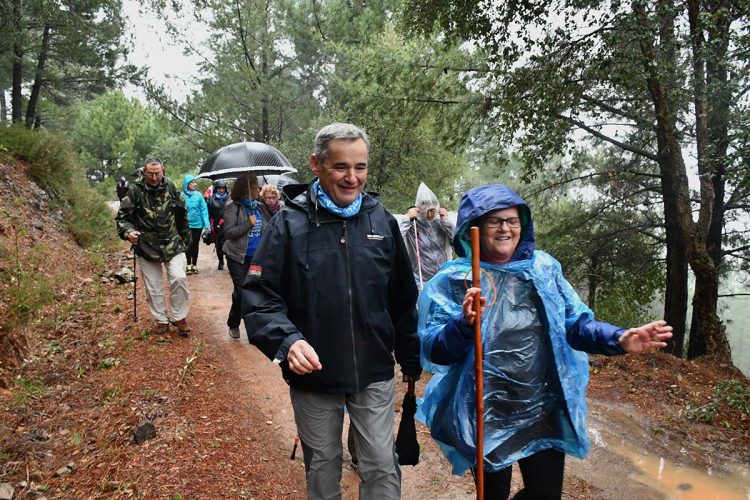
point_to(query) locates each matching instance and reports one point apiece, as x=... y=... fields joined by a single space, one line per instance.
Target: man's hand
x=648 y=336
x=443 y=213
x=302 y=358
x=253 y=220
x=412 y=213
x=133 y=237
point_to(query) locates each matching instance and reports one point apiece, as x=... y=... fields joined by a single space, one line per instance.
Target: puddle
x=684 y=483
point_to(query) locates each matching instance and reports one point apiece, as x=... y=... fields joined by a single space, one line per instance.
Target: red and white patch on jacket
x=255 y=270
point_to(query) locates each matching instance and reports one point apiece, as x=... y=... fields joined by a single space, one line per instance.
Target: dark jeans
x=195 y=241
x=542 y=478
x=238 y=272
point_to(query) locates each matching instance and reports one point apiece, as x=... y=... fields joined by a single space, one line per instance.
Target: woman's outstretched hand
x=468 y=305
x=649 y=336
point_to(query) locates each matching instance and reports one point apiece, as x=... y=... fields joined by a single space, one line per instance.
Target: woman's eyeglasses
x=495 y=222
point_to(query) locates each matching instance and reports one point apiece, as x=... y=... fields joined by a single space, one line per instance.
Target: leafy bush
x=729 y=392
x=27 y=290
x=53 y=166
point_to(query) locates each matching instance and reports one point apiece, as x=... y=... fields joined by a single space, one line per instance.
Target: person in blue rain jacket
x=535 y=333
x=197 y=212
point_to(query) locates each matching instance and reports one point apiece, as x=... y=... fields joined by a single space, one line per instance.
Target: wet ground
x=628 y=459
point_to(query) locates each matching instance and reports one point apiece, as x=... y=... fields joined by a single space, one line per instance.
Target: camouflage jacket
x=159 y=214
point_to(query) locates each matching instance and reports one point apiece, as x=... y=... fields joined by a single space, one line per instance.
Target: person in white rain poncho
x=534 y=329
x=427 y=232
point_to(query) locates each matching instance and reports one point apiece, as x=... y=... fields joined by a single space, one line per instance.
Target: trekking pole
x=419 y=260
x=478 y=373
x=135 y=289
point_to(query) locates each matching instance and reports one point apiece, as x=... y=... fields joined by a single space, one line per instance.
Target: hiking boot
x=182 y=327
x=195 y=269
x=161 y=328
x=221 y=266
x=234 y=333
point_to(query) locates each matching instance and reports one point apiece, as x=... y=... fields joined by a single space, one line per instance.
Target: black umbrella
x=407 y=446
x=277 y=180
x=255 y=157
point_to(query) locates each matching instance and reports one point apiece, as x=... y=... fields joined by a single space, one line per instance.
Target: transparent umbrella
x=256 y=157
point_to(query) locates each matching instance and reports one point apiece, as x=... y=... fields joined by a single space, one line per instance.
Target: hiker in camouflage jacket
x=153 y=218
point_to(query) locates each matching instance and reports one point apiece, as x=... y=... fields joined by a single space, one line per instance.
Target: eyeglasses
x=495 y=222
x=153 y=175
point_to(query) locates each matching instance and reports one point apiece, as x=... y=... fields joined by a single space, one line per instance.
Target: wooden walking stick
x=478 y=374
x=135 y=287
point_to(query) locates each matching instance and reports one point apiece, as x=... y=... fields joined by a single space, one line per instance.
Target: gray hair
x=153 y=160
x=345 y=131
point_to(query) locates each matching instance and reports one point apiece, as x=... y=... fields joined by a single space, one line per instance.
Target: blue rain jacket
x=533 y=331
x=197 y=210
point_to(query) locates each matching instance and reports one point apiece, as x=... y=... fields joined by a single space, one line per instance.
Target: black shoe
x=221 y=266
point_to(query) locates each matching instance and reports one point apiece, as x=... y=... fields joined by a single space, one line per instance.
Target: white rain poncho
x=429 y=247
x=533 y=331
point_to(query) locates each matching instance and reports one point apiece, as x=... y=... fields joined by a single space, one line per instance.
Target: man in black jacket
x=330 y=297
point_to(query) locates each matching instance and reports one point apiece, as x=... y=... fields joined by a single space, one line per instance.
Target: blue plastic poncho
x=533 y=330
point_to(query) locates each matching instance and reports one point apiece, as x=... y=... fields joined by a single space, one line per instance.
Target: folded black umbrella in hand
x=407 y=446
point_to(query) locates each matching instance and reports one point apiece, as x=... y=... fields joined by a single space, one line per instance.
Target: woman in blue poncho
x=534 y=327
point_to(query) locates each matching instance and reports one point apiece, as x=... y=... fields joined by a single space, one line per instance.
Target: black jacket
x=343 y=285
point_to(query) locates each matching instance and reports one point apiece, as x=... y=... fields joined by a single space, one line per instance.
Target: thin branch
x=619 y=144
x=317 y=22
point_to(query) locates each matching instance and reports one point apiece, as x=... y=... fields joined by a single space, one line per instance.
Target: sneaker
x=234 y=333
x=182 y=327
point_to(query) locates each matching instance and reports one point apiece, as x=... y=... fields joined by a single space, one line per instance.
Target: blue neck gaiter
x=326 y=202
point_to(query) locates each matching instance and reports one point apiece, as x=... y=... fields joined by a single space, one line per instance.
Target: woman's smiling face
x=498 y=242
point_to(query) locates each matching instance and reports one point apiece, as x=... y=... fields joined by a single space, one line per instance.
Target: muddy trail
x=629 y=460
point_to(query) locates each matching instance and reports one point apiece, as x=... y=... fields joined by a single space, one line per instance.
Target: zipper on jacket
x=351 y=307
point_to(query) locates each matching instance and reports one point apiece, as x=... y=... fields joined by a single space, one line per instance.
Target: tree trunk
x=38 y=78
x=674 y=184
x=16 y=99
x=707 y=334
x=3 y=107
x=676 y=289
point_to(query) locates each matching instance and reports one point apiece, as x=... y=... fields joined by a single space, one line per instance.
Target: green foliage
x=111 y=394
x=108 y=363
x=604 y=235
x=76 y=438
x=28 y=290
x=60 y=51
x=414 y=105
x=28 y=389
x=729 y=392
x=113 y=134
x=53 y=166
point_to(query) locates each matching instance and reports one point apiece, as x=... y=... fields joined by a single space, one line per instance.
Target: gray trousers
x=320 y=423
x=179 y=294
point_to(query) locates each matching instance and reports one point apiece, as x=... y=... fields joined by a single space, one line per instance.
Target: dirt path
x=618 y=436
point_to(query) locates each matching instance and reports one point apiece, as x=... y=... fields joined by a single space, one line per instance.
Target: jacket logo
x=255 y=270
x=377 y=237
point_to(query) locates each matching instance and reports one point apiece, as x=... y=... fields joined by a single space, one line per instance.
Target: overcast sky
x=152 y=47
